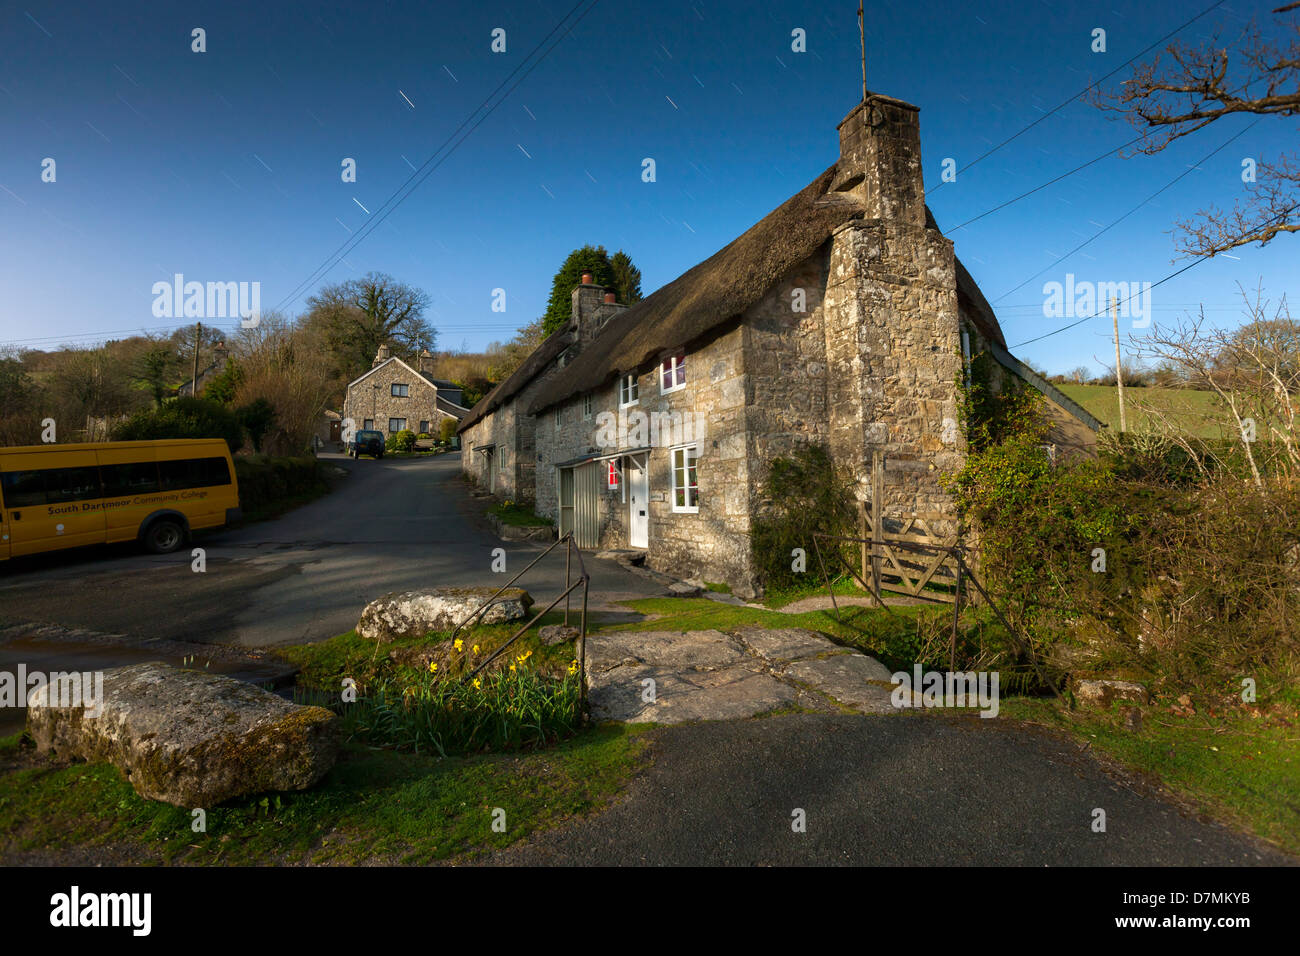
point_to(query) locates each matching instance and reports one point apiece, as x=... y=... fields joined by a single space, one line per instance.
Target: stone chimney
x=880 y=160
x=425 y=362
x=382 y=356
x=219 y=355
x=891 y=317
x=592 y=308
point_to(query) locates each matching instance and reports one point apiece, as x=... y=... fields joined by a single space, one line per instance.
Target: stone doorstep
x=709 y=675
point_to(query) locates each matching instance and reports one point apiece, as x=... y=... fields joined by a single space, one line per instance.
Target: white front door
x=638 y=498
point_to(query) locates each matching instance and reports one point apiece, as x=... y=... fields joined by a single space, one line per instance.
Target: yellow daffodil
x=477 y=683
x=433 y=667
x=475 y=648
x=459 y=645
x=573 y=668
x=512 y=668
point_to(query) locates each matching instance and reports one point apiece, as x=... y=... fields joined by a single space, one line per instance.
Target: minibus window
x=24 y=489
x=71 y=484
x=193 y=473
x=134 y=478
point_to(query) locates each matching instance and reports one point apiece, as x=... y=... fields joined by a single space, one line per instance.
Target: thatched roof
x=719 y=288
x=722 y=287
x=534 y=365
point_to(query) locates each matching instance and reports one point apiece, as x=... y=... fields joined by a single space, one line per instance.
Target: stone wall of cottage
x=366 y=401
x=712 y=543
x=894 y=362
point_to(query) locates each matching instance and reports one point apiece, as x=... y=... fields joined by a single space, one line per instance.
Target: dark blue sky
x=225 y=165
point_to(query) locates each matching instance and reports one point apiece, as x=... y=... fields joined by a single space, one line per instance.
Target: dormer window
x=672 y=373
x=628 y=390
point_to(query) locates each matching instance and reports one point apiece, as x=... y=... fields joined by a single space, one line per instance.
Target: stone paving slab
x=788 y=643
x=848 y=678
x=710 y=675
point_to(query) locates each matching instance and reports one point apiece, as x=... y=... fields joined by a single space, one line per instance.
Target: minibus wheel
x=164 y=536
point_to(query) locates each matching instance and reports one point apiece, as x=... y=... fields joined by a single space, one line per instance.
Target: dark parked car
x=367 y=443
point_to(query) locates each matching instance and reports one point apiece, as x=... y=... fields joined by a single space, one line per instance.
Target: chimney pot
x=610 y=298
x=586 y=278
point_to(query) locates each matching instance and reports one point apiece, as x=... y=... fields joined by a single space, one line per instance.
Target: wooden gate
x=909 y=558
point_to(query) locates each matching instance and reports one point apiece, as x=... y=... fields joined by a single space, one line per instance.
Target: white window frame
x=629 y=391
x=404 y=393
x=689 y=453
x=501 y=459
x=678 y=370
x=588 y=402
x=391 y=429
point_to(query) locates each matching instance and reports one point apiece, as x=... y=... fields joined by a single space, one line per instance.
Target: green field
x=1201 y=414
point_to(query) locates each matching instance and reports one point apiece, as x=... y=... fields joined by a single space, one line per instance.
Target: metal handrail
x=584 y=579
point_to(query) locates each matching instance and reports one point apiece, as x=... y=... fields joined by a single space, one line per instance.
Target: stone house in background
x=843 y=318
x=393 y=396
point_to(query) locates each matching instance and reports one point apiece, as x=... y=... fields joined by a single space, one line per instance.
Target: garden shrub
x=401 y=441
x=183 y=418
x=803 y=494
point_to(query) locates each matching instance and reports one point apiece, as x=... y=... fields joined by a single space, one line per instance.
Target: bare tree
x=1255 y=373
x=357 y=316
x=278 y=363
x=1187 y=88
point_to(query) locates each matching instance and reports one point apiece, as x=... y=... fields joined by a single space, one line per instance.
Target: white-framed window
x=614 y=473
x=400 y=391
x=672 y=373
x=587 y=403
x=686 y=490
x=501 y=459
x=628 y=390
x=396 y=425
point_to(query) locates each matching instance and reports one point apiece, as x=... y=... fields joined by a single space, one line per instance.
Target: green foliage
x=222 y=387
x=559 y=309
x=521 y=515
x=447 y=429
x=400 y=441
x=256 y=417
x=153 y=369
x=806 y=493
x=183 y=418
x=627 y=278
x=267 y=485
x=501 y=710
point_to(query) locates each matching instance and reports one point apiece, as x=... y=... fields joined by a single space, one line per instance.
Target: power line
x=1083 y=92
x=1050 y=182
x=1195 y=262
x=1111 y=225
x=420 y=174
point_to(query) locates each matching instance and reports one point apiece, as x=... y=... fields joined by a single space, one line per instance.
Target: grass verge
x=1240 y=766
x=373 y=807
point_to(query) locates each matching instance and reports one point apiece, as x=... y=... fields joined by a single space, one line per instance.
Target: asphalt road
x=391 y=525
x=883 y=791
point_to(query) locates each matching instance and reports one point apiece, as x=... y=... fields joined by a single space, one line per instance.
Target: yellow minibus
x=155 y=492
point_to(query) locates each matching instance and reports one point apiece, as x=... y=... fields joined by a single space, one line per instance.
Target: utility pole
x=1119 y=372
x=198 y=338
